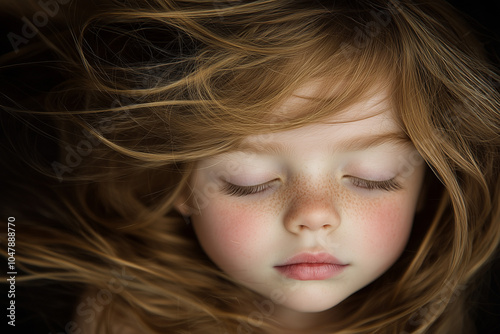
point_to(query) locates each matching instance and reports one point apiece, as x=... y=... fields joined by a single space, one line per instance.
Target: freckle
x=344 y=199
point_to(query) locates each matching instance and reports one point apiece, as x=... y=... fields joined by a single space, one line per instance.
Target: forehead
x=366 y=123
x=371 y=102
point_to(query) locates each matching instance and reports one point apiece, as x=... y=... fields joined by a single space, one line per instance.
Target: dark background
x=484 y=17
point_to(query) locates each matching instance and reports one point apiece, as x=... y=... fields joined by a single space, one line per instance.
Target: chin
x=311 y=304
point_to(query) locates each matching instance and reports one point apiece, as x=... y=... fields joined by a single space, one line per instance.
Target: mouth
x=308 y=266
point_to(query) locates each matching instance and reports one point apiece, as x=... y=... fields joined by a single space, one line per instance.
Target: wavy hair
x=149 y=87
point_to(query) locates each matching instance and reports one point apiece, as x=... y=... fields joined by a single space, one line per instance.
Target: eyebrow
x=348 y=145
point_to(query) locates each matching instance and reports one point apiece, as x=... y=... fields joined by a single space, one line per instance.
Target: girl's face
x=307 y=217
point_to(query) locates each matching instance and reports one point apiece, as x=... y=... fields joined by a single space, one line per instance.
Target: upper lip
x=312 y=258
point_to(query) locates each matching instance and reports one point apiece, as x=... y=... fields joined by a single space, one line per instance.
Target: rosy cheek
x=385 y=227
x=230 y=232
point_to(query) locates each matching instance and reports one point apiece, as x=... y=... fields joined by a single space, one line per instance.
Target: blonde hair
x=154 y=86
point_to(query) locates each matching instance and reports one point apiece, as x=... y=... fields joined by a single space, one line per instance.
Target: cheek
x=229 y=232
x=385 y=228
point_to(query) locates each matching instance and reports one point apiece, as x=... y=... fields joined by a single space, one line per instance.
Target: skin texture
x=312 y=204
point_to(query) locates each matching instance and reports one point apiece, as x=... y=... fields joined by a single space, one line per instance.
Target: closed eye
x=386 y=185
x=236 y=190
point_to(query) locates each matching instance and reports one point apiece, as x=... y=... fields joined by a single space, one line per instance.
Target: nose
x=312 y=211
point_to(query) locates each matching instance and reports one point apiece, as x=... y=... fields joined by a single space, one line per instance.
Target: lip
x=309 y=266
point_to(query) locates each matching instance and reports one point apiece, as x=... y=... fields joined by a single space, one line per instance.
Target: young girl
x=256 y=167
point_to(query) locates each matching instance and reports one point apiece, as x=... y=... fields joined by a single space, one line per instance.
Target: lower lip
x=311 y=271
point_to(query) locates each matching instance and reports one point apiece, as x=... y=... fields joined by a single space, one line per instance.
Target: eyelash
x=386 y=185
x=234 y=190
